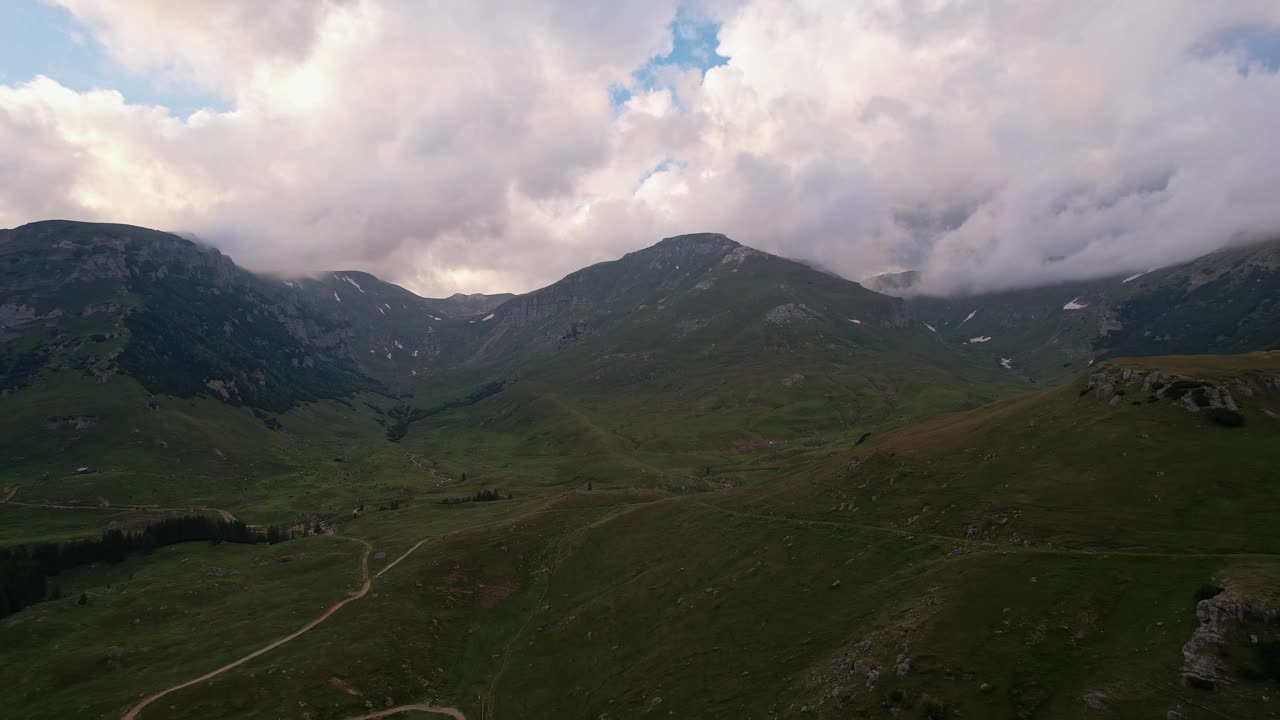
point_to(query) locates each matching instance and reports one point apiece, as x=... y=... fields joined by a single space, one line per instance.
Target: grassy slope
x=1224 y=302
x=1093 y=525
x=149 y=620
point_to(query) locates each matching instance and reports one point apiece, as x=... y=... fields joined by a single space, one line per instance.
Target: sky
x=489 y=147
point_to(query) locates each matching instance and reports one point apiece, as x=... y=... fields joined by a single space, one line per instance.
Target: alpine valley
x=698 y=481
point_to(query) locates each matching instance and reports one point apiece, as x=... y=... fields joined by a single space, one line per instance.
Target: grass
x=150 y=621
x=1048 y=546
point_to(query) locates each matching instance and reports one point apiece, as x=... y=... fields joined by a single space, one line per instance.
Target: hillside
x=1046 y=556
x=120 y=342
x=700 y=342
x=699 y=480
x=1224 y=302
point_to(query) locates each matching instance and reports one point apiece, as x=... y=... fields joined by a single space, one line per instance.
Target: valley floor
x=1054 y=555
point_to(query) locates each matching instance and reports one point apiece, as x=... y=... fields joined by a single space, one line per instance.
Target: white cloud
x=990 y=143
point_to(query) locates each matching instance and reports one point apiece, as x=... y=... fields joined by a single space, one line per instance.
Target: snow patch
x=1132 y=277
x=398 y=345
x=433 y=317
x=388 y=356
x=931 y=328
x=290 y=284
x=487 y=317
x=855 y=321
x=1006 y=363
x=335 y=296
x=968 y=318
x=1073 y=305
x=384 y=312
x=415 y=353
x=385 y=305
x=980 y=339
x=353 y=282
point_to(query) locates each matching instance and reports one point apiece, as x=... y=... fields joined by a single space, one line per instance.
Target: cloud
x=989 y=143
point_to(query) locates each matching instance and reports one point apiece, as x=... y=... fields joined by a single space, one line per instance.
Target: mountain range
x=699 y=480
x=1224 y=302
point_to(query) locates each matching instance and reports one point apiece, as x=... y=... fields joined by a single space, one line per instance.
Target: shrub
x=1225 y=417
x=934 y=709
x=1269 y=657
x=1207 y=591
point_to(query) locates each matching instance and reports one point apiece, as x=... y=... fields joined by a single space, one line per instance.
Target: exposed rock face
x=1219 y=616
x=16 y=318
x=1191 y=394
x=789 y=314
x=12 y=314
x=225 y=389
x=76 y=422
x=739 y=255
x=537 y=306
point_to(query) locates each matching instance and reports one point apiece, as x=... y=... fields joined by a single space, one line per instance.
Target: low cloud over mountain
x=989 y=144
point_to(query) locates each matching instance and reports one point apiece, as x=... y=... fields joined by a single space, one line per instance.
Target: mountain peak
x=698 y=239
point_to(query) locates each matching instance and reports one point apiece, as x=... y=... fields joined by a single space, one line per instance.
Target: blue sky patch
x=1258 y=46
x=41 y=39
x=693 y=45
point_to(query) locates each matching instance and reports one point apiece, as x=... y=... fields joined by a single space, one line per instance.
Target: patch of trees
x=480 y=496
x=1208 y=591
x=403 y=415
x=269 y=420
x=25 y=569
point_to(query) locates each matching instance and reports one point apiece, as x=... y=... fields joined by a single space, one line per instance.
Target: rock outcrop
x=1220 y=616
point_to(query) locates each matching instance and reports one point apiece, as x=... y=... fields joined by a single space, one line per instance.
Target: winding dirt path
x=406 y=554
x=454 y=713
x=224 y=514
x=133 y=711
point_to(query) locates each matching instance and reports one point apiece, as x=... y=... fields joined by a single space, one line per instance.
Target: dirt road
x=133 y=711
x=451 y=712
x=224 y=514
